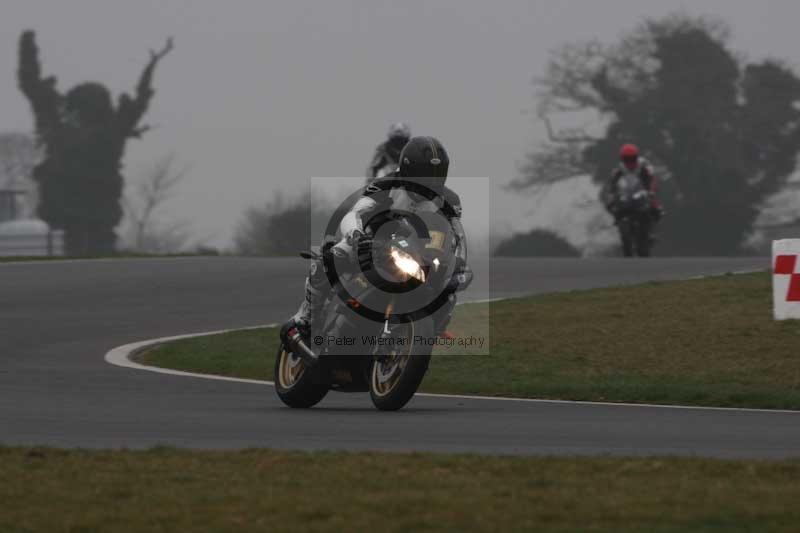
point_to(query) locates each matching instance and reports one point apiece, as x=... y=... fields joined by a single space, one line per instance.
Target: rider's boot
x=305 y=315
x=442 y=318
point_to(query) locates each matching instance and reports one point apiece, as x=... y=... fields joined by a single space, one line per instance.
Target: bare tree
x=282 y=226
x=147 y=233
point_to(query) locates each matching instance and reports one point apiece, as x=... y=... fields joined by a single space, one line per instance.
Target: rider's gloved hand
x=349 y=248
x=362 y=246
x=462 y=277
x=354 y=237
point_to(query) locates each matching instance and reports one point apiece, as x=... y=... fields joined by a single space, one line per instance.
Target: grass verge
x=698 y=342
x=166 y=489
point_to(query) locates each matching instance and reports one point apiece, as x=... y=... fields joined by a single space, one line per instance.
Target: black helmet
x=425 y=158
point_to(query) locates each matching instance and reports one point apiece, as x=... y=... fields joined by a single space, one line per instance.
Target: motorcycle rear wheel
x=395 y=377
x=295 y=383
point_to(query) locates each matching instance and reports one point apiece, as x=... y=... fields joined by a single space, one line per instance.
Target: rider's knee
x=317 y=278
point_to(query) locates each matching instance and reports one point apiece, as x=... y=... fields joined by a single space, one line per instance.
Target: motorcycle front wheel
x=397 y=370
x=643 y=239
x=626 y=236
x=295 y=382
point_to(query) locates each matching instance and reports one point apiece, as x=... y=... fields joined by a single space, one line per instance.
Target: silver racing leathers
x=376 y=198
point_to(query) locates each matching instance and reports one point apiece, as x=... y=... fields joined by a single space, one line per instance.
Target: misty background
x=259 y=97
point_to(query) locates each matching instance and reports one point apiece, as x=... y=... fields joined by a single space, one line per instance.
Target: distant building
x=21 y=235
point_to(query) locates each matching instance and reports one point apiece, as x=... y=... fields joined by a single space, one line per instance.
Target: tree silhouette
x=536 y=243
x=282 y=226
x=83 y=135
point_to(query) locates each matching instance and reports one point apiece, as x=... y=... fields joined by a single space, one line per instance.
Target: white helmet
x=399 y=130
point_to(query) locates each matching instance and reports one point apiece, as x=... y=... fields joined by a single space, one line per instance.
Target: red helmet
x=629 y=155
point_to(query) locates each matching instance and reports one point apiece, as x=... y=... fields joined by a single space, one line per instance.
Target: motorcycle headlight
x=407 y=264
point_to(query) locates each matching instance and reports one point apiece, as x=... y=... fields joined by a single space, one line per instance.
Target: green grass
x=699 y=342
x=165 y=489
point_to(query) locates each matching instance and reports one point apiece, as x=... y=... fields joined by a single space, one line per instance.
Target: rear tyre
x=295 y=383
x=396 y=376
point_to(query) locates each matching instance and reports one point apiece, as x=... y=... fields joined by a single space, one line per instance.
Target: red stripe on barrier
x=794 y=289
x=785 y=264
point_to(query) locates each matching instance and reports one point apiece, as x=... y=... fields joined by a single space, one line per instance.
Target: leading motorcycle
x=378 y=326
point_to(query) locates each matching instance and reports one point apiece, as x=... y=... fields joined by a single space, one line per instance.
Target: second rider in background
x=387 y=154
x=631 y=162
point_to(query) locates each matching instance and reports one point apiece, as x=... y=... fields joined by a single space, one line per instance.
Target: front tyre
x=643 y=238
x=294 y=382
x=626 y=236
x=396 y=373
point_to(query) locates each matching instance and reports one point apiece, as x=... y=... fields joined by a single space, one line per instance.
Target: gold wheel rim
x=393 y=368
x=290 y=369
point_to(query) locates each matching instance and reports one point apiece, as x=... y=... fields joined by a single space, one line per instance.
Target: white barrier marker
x=786 y=278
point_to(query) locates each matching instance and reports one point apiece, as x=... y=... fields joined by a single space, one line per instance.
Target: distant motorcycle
x=631 y=208
x=386 y=353
x=387 y=170
x=384 y=172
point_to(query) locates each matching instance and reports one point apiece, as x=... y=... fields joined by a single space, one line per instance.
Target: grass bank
x=167 y=490
x=698 y=342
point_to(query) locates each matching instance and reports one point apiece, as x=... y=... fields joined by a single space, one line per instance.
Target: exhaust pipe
x=299 y=347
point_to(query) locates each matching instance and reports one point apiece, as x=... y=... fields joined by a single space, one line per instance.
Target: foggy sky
x=262 y=95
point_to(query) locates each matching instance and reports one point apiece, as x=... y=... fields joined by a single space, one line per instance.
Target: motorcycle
x=379 y=322
x=632 y=211
x=390 y=169
x=387 y=170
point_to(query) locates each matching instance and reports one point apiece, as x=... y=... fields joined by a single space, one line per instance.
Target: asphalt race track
x=58 y=319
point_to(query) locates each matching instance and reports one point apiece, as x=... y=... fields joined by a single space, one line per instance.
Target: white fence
x=30 y=238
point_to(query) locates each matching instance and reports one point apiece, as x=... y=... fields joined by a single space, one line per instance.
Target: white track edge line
x=122 y=356
x=69 y=260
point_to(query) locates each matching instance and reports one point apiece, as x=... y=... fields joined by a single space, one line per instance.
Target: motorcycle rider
x=631 y=162
x=424 y=161
x=388 y=152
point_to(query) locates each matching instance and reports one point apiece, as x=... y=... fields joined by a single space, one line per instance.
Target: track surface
x=58 y=319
